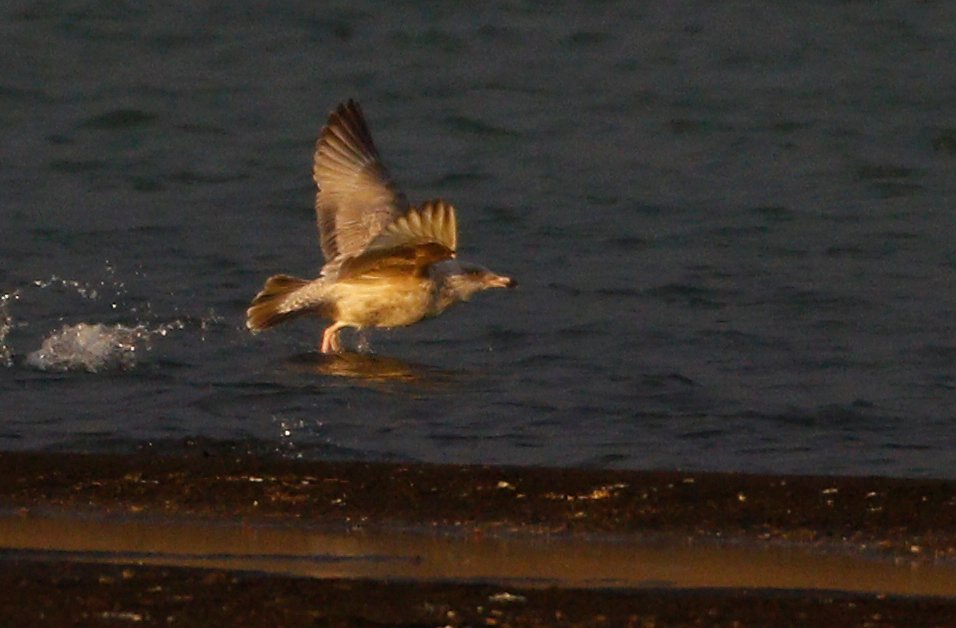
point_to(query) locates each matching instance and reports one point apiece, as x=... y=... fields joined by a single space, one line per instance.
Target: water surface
x=732 y=227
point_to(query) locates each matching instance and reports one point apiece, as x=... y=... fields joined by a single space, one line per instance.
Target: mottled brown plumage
x=387 y=264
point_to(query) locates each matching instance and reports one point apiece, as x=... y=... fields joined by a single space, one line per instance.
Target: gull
x=387 y=264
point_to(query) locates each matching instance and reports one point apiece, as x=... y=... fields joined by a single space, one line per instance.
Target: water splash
x=85 y=290
x=90 y=345
x=6 y=324
x=362 y=342
x=288 y=429
x=292 y=430
x=96 y=347
x=86 y=347
x=110 y=287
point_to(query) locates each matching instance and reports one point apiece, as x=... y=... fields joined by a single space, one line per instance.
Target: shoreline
x=912 y=519
x=124 y=533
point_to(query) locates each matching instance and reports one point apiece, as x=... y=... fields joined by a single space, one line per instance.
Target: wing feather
x=356 y=197
x=434 y=222
x=413 y=241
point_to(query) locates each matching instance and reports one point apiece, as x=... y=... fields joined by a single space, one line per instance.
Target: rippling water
x=733 y=228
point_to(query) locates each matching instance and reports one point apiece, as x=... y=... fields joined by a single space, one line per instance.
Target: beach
x=224 y=535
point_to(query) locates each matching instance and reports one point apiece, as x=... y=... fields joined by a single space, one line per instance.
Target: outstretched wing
x=356 y=197
x=413 y=241
x=433 y=222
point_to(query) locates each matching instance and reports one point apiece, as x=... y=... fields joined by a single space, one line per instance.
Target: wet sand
x=429 y=555
x=76 y=594
x=252 y=541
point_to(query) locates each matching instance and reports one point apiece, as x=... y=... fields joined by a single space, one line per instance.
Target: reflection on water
x=371 y=368
x=591 y=562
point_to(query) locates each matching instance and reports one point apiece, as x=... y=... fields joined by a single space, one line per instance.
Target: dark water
x=733 y=224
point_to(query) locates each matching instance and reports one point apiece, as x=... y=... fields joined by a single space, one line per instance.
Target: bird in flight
x=387 y=264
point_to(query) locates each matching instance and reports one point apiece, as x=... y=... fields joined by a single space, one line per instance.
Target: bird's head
x=461 y=280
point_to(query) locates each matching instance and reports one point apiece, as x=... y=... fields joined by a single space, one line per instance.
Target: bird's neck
x=445 y=296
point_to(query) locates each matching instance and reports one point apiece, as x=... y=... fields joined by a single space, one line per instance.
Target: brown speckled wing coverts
x=423 y=236
x=356 y=197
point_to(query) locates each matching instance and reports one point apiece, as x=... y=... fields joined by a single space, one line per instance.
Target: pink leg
x=330 y=339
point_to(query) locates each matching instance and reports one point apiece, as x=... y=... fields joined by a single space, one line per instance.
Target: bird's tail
x=275 y=303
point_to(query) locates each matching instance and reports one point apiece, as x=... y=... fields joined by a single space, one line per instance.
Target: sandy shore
x=228 y=537
x=65 y=594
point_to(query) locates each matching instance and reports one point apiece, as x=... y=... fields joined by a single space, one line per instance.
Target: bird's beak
x=499 y=281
